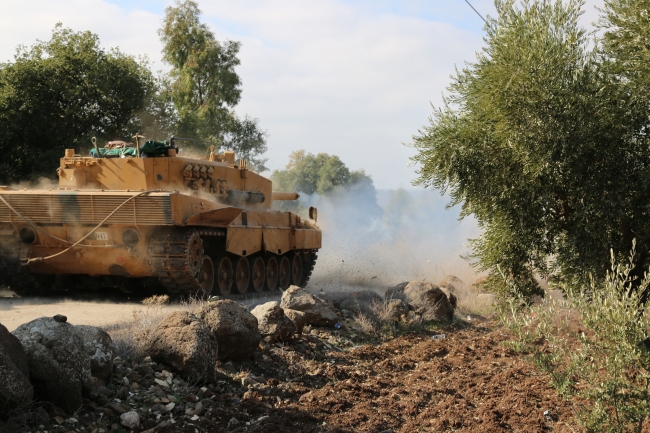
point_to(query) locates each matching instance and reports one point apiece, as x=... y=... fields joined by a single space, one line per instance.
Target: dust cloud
x=45 y=183
x=375 y=239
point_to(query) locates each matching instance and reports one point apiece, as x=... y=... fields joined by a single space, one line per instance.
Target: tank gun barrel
x=277 y=195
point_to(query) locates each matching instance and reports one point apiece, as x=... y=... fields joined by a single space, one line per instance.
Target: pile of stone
x=67 y=378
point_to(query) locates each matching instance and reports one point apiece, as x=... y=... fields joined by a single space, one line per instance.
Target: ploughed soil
x=466 y=382
x=321 y=382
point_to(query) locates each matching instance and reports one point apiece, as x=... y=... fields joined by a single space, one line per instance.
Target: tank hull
x=128 y=236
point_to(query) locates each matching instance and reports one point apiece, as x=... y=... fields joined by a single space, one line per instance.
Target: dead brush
x=366 y=324
x=25 y=417
x=193 y=303
x=130 y=337
x=382 y=312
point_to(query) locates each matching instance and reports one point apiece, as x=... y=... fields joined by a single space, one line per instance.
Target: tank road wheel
x=242 y=274
x=284 y=273
x=296 y=270
x=257 y=274
x=271 y=274
x=206 y=277
x=225 y=276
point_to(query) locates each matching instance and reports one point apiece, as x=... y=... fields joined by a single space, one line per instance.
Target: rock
x=160 y=408
x=100 y=350
x=451 y=283
x=396 y=308
x=297 y=317
x=361 y=302
x=41 y=417
x=396 y=292
x=184 y=342
x=429 y=301
x=60 y=318
x=234 y=327
x=15 y=389
x=130 y=419
x=273 y=323
x=117 y=408
x=190 y=398
x=479 y=285
x=317 y=311
x=59 y=368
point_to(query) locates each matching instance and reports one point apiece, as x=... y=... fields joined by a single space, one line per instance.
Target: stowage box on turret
x=144 y=216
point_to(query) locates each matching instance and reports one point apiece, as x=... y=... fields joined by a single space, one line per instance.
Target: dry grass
x=480 y=304
x=131 y=336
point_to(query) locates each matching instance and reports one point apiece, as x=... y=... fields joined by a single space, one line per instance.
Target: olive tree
x=543 y=139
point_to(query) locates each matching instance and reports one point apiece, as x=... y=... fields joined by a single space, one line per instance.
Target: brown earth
x=467 y=382
x=322 y=382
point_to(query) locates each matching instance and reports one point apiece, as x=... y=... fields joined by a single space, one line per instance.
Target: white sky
x=352 y=78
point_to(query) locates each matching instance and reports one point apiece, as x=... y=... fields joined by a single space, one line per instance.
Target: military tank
x=144 y=216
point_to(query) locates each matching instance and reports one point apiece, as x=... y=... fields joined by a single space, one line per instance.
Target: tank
x=145 y=217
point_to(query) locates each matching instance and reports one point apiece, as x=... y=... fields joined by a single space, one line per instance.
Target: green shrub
x=593 y=346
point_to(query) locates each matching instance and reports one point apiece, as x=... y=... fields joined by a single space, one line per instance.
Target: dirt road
x=80 y=309
x=97 y=308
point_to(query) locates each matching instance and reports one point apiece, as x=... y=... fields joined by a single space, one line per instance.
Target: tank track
x=307 y=269
x=170 y=262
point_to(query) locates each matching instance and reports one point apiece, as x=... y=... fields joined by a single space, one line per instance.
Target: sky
x=354 y=78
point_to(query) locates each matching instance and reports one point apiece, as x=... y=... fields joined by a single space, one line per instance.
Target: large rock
x=234 y=327
x=317 y=311
x=298 y=319
x=478 y=285
x=59 y=368
x=452 y=283
x=429 y=301
x=364 y=301
x=100 y=350
x=273 y=323
x=182 y=341
x=15 y=389
x=396 y=292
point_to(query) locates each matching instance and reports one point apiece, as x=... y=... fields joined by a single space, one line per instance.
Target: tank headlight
x=27 y=235
x=130 y=237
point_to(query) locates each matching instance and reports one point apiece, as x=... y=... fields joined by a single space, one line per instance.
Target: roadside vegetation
x=544 y=140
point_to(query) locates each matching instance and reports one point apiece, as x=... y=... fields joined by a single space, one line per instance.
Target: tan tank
x=196 y=227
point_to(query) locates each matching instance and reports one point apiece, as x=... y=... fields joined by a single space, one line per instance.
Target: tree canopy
x=58 y=93
x=203 y=85
x=321 y=174
x=544 y=140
